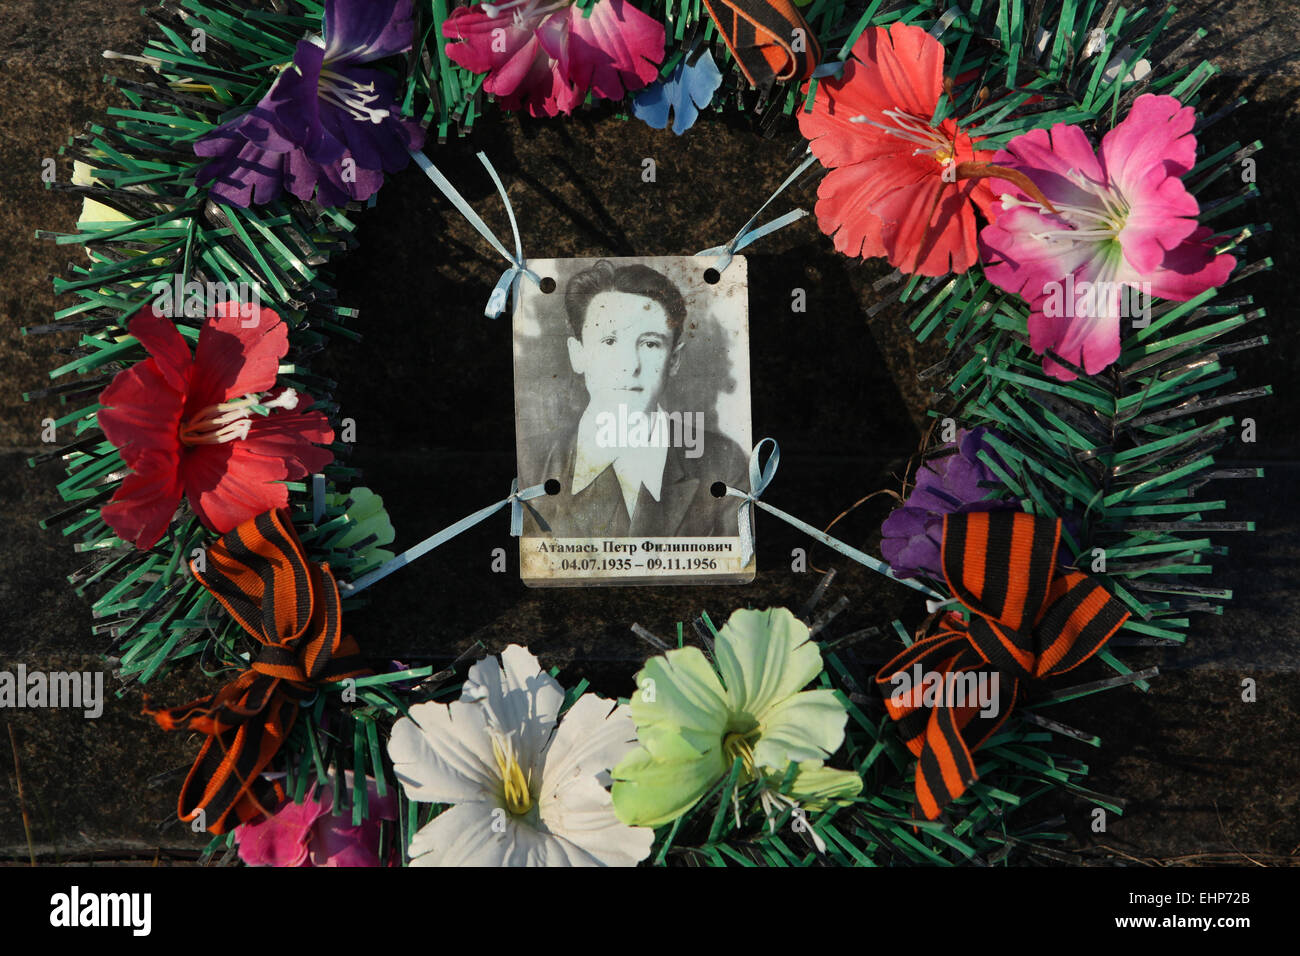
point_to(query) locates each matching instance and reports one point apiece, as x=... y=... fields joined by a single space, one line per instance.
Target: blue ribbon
x=515 y=501
x=759 y=479
x=945 y=21
x=748 y=234
x=518 y=265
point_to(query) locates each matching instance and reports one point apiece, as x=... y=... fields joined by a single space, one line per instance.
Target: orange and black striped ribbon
x=1028 y=621
x=768 y=38
x=260 y=574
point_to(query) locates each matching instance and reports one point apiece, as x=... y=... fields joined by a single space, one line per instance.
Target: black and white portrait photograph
x=632 y=400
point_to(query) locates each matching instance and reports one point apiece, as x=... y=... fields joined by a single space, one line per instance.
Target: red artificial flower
x=188 y=425
x=897 y=187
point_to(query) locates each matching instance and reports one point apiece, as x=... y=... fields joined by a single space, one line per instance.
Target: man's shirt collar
x=634 y=467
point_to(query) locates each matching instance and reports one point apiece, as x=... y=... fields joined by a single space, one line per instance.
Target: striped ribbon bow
x=1028 y=620
x=290 y=606
x=768 y=38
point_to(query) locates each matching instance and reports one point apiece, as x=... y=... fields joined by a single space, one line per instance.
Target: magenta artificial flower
x=1122 y=228
x=211 y=426
x=547 y=55
x=309 y=834
x=328 y=126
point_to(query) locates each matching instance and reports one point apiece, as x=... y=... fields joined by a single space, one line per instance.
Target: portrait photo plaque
x=632 y=401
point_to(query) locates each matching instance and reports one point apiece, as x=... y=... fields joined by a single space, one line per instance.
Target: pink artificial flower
x=308 y=833
x=548 y=54
x=1121 y=227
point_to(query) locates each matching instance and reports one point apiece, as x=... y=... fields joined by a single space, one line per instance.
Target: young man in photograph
x=626 y=467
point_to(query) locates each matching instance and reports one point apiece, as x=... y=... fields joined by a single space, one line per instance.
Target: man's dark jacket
x=686 y=505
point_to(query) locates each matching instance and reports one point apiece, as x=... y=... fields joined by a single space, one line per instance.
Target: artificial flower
x=897 y=187
x=97 y=217
x=693 y=722
x=1118 y=226
x=686 y=91
x=210 y=426
x=309 y=834
x=547 y=55
x=93 y=213
x=817 y=787
x=327 y=125
x=524 y=791
x=950 y=484
x=367 y=529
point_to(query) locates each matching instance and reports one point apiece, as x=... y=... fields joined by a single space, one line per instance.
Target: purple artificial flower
x=954 y=484
x=327 y=125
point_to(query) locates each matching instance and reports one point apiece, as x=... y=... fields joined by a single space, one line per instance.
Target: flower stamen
x=231 y=421
x=776 y=803
x=1104 y=225
x=1090 y=223
x=741 y=745
x=913 y=130
x=515 y=784
x=350 y=95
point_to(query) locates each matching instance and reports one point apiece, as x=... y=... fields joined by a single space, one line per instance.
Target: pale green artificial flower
x=692 y=725
x=96 y=217
x=95 y=213
x=816 y=786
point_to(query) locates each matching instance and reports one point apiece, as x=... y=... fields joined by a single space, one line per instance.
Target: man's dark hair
x=637 y=279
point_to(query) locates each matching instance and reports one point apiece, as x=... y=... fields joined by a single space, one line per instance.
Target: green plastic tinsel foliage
x=730 y=827
x=1121 y=455
x=456 y=99
x=1018 y=766
x=142 y=168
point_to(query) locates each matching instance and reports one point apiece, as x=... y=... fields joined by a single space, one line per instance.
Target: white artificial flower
x=524 y=792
